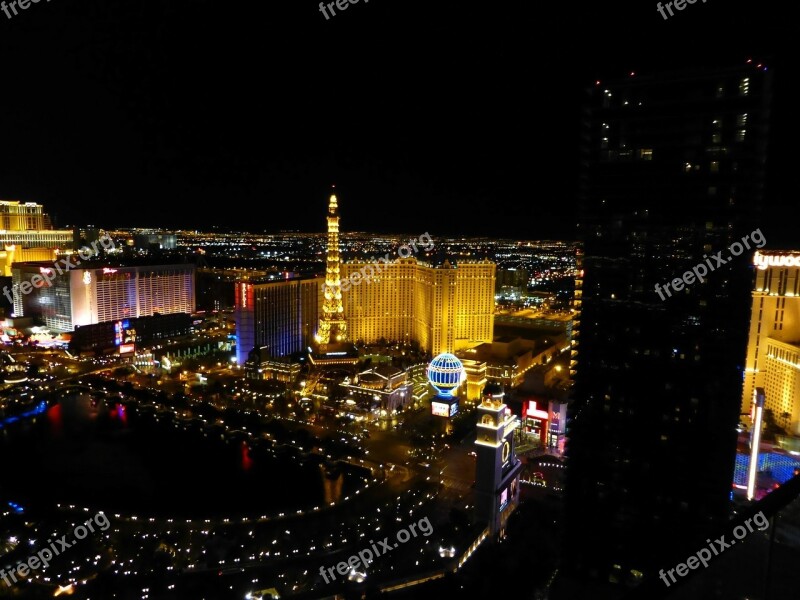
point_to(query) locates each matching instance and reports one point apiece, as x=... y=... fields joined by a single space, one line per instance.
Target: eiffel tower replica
x=331 y=347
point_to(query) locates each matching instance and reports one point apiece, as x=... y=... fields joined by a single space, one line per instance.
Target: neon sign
x=440 y=409
x=244 y=295
x=534 y=412
x=762 y=261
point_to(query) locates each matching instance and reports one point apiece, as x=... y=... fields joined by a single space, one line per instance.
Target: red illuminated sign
x=533 y=412
x=244 y=295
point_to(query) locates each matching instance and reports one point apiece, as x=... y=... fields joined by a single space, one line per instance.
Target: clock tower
x=497 y=466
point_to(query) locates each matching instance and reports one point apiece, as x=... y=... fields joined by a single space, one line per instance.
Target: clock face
x=506 y=452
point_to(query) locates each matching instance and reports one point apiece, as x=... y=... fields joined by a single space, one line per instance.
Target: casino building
x=388 y=388
x=444 y=308
x=773 y=349
x=85 y=296
x=276 y=317
x=126 y=335
x=26 y=234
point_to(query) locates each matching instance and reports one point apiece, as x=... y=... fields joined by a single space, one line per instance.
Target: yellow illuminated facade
x=443 y=308
x=476 y=378
x=773 y=349
x=18 y=216
x=26 y=235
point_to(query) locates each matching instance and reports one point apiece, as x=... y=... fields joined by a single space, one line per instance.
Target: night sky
x=448 y=117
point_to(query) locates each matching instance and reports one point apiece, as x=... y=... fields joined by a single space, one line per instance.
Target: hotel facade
x=277 y=317
x=88 y=296
x=26 y=235
x=443 y=308
x=773 y=348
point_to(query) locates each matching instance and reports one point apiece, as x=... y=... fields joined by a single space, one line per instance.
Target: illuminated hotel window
x=744 y=86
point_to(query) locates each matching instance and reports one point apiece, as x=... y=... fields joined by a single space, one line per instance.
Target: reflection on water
x=332 y=481
x=87 y=453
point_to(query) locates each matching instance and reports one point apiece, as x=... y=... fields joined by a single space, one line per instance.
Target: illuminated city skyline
x=451 y=374
x=277 y=165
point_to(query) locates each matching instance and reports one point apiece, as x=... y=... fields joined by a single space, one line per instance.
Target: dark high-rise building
x=512 y=277
x=672 y=172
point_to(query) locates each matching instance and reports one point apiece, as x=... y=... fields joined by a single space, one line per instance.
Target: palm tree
x=786 y=416
x=771 y=427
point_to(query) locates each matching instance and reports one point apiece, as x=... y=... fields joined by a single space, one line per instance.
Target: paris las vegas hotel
x=443 y=308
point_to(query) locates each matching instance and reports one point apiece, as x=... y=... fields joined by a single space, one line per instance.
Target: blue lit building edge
x=780 y=466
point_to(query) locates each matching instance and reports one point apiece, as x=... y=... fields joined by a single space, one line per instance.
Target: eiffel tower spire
x=332 y=324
